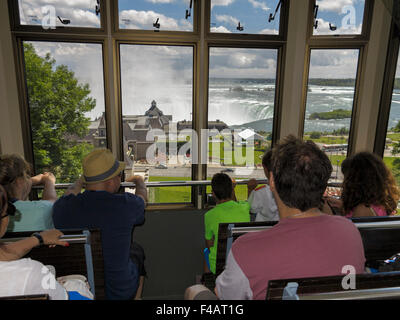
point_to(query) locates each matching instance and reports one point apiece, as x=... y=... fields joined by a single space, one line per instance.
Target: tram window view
x=199 y=150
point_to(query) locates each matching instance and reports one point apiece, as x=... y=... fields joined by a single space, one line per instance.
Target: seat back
x=384 y=285
x=83 y=256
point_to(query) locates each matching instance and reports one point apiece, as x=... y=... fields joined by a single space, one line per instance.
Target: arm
x=49 y=191
x=76 y=188
x=17 y=250
x=362 y=211
x=251 y=185
x=141 y=190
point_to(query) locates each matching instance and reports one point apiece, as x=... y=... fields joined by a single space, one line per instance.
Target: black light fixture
x=156 y=24
x=64 y=21
x=98 y=8
x=315 y=16
x=189 y=11
x=239 y=27
x=272 y=16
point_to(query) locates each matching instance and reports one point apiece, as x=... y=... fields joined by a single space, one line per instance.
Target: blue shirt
x=31 y=216
x=116 y=216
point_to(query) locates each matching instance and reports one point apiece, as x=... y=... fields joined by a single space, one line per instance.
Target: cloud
x=133 y=19
x=160 y=1
x=259 y=5
x=333 y=63
x=81 y=13
x=335 y=6
x=220 y=29
x=269 y=31
x=227 y=19
x=323 y=29
x=221 y=3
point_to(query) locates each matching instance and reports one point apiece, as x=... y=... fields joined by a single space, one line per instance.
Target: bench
x=380 y=236
x=384 y=285
x=83 y=256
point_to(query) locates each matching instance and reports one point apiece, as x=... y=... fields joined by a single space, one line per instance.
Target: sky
x=166 y=70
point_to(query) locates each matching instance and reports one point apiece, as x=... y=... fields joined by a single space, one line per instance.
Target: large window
x=60 y=13
x=245 y=16
x=157 y=104
x=66 y=104
x=162 y=15
x=392 y=143
x=339 y=17
x=330 y=99
x=240 y=111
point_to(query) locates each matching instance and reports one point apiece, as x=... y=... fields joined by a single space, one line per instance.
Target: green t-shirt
x=226 y=212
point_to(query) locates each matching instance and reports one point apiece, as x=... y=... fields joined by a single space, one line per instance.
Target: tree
x=58 y=103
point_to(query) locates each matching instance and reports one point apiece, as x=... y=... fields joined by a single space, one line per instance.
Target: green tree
x=58 y=103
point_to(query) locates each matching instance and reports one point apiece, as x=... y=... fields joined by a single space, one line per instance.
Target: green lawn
x=169 y=194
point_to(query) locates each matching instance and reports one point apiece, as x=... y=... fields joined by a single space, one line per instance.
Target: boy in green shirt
x=227 y=210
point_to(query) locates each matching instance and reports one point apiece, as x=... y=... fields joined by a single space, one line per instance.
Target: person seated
x=304 y=243
x=21 y=276
x=369 y=188
x=261 y=199
x=226 y=210
x=114 y=214
x=15 y=178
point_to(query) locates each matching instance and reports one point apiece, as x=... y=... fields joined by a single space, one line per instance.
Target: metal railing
x=70 y=238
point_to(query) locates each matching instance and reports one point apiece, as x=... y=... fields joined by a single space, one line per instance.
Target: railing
x=71 y=238
x=191 y=183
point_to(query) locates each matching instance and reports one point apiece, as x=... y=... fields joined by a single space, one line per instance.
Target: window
x=240 y=111
x=392 y=143
x=66 y=104
x=330 y=97
x=157 y=15
x=60 y=13
x=338 y=17
x=157 y=104
x=245 y=16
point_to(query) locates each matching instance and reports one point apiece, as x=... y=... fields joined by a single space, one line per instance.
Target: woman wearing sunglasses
x=16 y=180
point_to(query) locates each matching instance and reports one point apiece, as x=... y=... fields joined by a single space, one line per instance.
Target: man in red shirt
x=306 y=242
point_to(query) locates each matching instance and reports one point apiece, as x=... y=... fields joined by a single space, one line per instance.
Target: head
x=300 y=173
x=222 y=186
x=102 y=171
x=266 y=162
x=368 y=181
x=15 y=176
x=6 y=209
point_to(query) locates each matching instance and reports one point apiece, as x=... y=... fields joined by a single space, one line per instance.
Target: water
x=250 y=102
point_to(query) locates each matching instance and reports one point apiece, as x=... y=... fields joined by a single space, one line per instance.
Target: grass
x=169 y=194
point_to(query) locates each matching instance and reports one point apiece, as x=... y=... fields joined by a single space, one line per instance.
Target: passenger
x=305 y=243
x=16 y=179
x=261 y=199
x=23 y=276
x=369 y=188
x=116 y=215
x=226 y=210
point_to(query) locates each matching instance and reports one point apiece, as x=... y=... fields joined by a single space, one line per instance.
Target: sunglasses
x=10 y=210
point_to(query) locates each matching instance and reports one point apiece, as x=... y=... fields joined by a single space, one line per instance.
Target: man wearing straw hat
x=115 y=214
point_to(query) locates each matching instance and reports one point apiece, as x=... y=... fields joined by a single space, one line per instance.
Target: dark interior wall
x=173 y=242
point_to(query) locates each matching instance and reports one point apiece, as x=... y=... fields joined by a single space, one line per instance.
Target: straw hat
x=100 y=165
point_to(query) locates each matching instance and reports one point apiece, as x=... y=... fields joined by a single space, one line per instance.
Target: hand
x=36 y=180
x=252 y=184
x=135 y=179
x=48 y=177
x=52 y=238
x=233 y=183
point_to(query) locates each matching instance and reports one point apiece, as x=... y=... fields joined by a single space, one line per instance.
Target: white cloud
x=259 y=5
x=335 y=6
x=160 y=1
x=220 y=29
x=227 y=19
x=221 y=3
x=334 y=63
x=269 y=31
x=323 y=29
x=133 y=19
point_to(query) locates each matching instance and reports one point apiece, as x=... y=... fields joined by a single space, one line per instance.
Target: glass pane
x=60 y=13
x=330 y=97
x=158 y=15
x=240 y=105
x=66 y=103
x=157 y=88
x=253 y=16
x=392 y=145
x=339 y=17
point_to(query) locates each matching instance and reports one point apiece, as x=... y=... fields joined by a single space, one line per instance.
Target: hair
x=3 y=199
x=266 y=160
x=368 y=181
x=221 y=185
x=301 y=172
x=11 y=168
